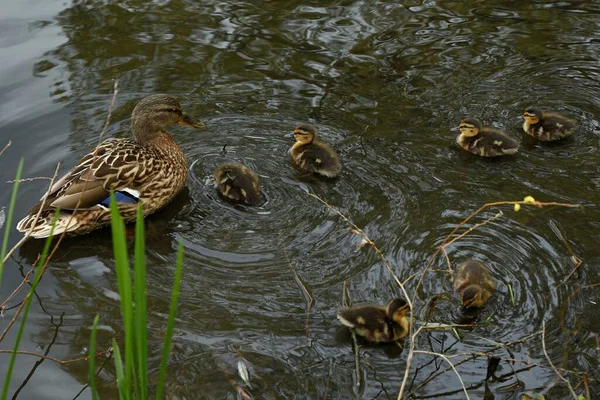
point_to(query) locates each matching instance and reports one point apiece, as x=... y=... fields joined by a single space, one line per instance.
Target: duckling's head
x=469 y=126
x=155 y=112
x=533 y=115
x=397 y=310
x=472 y=296
x=305 y=133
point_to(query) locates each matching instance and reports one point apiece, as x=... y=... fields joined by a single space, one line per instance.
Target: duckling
x=376 y=323
x=474 y=284
x=547 y=126
x=483 y=141
x=313 y=156
x=238 y=183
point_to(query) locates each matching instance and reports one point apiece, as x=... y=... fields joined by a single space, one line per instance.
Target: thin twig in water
x=5 y=147
x=348 y=303
x=565 y=380
x=451 y=365
x=574 y=258
x=37 y=216
x=36 y=178
x=23 y=282
x=476 y=355
x=356 y=230
x=56 y=360
x=310 y=300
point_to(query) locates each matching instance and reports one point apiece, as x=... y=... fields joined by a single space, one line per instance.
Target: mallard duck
x=151 y=169
x=483 y=141
x=376 y=323
x=313 y=156
x=547 y=126
x=238 y=183
x=474 y=284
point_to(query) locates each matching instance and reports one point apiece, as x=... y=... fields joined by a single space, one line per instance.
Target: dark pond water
x=384 y=82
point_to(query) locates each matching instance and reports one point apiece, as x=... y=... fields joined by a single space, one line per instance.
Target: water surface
x=384 y=82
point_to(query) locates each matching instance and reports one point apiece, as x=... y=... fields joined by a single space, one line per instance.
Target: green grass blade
x=170 y=322
x=140 y=305
x=9 y=215
x=92 y=359
x=124 y=285
x=124 y=393
x=28 y=299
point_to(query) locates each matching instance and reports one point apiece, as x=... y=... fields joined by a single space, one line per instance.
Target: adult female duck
x=151 y=169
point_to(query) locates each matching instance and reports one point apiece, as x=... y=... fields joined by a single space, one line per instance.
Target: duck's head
x=533 y=115
x=305 y=133
x=155 y=112
x=469 y=126
x=397 y=310
x=472 y=297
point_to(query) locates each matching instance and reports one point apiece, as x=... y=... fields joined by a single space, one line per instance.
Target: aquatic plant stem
x=310 y=300
x=92 y=358
x=56 y=360
x=37 y=216
x=5 y=147
x=27 y=302
x=451 y=365
x=356 y=230
x=9 y=215
x=558 y=374
x=170 y=322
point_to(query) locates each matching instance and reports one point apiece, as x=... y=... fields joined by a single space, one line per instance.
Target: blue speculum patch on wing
x=121 y=197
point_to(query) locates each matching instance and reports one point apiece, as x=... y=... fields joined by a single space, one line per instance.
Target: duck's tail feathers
x=65 y=222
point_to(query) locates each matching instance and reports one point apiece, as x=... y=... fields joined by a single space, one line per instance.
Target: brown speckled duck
x=151 y=169
x=547 y=126
x=312 y=156
x=238 y=183
x=376 y=323
x=474 y=284
x=483 y=141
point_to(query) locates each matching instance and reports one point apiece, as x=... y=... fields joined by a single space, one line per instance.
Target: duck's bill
x=187 y=121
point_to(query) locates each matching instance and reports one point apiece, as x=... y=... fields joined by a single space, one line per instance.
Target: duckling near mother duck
x=547 y=126
x=238 y=183
x=151 y=169
x=313 y=156
x=474 y=283
x=376 y=323
x=483 y=141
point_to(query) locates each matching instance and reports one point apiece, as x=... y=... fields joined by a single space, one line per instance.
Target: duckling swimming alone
x=474 y=284
x=238 y=183
x=483 y=141
x=313 y=156
x=547 y=126
x=376 y=323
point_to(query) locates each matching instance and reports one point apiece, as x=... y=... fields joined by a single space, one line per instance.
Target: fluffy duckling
x=376 y=323
x=313 y=156
x=474 y=284
x=546 y=126
x=238 y=183
x=483 y=141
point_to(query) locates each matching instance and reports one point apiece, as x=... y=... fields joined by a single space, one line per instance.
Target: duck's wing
x=498 y=143
x=115 y=164
x=321 y=159
x=367 y=316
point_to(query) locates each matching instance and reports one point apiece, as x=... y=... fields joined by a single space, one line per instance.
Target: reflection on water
x=384 y=82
